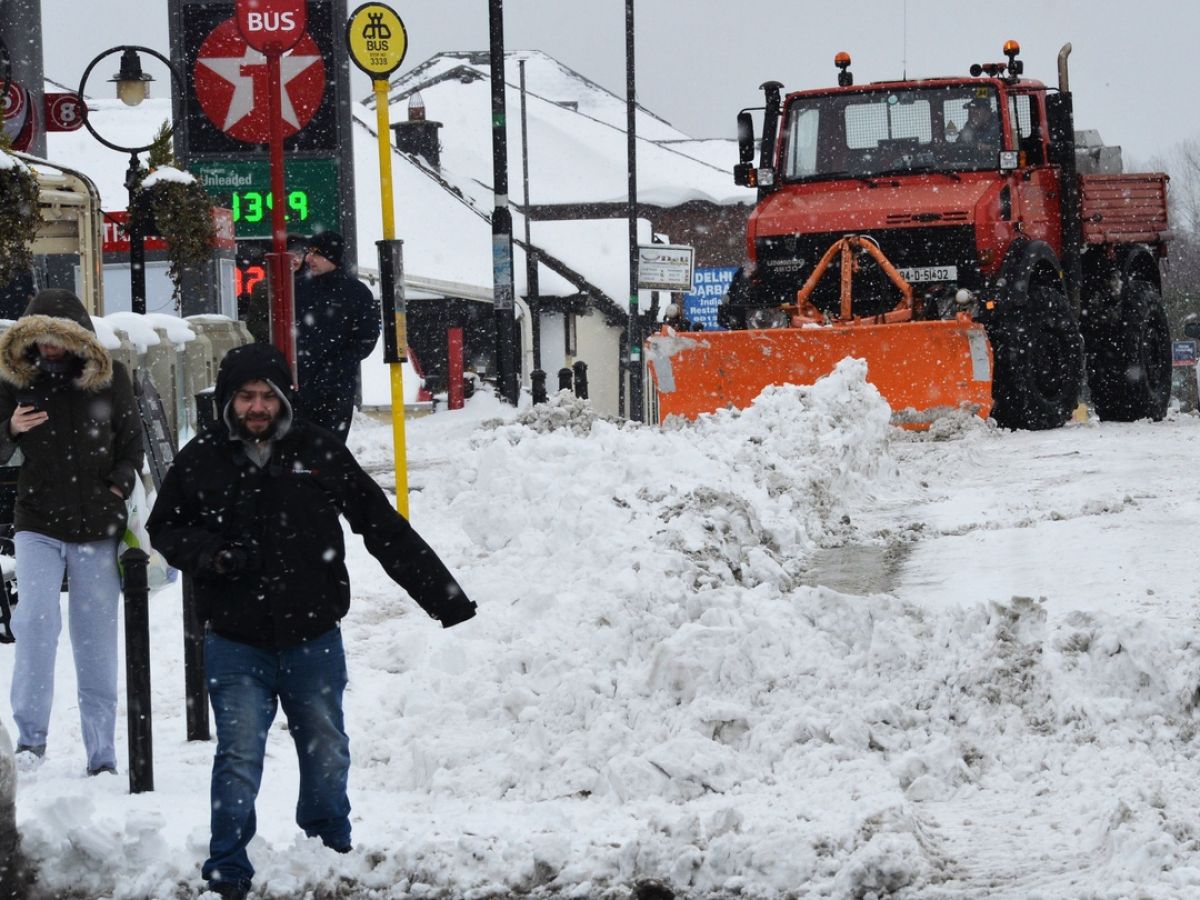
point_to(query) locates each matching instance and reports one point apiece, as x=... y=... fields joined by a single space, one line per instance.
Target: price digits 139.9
x=252 y=206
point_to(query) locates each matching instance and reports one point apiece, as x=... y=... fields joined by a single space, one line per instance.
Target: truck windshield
x=865 y=135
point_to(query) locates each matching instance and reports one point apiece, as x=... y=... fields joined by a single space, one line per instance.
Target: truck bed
x=1124 y=208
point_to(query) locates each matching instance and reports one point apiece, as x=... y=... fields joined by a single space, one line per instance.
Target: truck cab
x=977 y=191
x=943 y=174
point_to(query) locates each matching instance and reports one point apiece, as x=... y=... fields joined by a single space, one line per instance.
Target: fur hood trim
x=17 y=369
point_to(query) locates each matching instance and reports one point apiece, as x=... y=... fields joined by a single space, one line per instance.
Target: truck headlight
x=767 y=317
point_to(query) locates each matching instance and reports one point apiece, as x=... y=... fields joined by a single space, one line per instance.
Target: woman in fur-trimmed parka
x=69 y=408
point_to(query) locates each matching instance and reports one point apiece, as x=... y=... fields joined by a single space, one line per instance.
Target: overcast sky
x=700 y=61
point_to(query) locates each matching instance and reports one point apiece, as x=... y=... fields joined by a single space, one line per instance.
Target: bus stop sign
x=272 y=26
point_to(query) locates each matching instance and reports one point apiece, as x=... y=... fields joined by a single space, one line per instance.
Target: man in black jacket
x=250 y=509
x=337 y=325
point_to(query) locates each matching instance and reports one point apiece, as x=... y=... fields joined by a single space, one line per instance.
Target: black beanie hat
x=329 y=244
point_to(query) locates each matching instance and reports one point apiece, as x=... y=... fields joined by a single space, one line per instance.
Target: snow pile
x=167 y=174
x=651 y=692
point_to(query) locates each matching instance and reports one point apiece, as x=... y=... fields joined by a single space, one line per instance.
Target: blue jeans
x=92 y=619
x=245 y=685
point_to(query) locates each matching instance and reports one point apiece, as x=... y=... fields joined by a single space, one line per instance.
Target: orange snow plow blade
x=922 y=368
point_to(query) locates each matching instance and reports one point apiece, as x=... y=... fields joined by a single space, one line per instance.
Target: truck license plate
x=930 y=273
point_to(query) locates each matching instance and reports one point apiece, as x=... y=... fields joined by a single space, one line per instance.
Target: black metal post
x=137 y=241
x=581 y=384
x=537 y=381
x=195 y=688
x=502 y=267
x=565 y=379
x=6 y=635
x=635 y=323
x=137 y=670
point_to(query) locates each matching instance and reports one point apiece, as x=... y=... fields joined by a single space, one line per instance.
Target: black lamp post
x=132 y=88
x=5 y=70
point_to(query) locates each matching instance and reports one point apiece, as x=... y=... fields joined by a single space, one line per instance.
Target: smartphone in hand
x=28 y=398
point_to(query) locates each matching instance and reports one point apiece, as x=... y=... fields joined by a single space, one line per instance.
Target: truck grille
x=784 y=262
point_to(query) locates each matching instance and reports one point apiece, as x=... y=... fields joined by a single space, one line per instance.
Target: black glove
x=229 y=560
x=235 y=558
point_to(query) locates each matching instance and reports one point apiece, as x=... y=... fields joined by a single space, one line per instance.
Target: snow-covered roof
x=545 y=77
x=577 y=145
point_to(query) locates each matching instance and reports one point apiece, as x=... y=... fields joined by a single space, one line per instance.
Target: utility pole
x=502 y=255
x=635 y=324
x=531 y=256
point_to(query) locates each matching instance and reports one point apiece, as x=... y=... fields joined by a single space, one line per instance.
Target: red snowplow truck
x=989 y=255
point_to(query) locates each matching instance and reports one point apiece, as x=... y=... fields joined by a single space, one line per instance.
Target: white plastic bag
x=158 y=573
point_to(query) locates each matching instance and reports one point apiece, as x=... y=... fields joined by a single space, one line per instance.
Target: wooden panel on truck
x=1124 y=208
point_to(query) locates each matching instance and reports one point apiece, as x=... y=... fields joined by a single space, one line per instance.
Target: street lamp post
x=132 y=88
x=6 y=69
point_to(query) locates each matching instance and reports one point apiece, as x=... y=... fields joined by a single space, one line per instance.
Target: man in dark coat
x=69 y=408
x=337 y=325
x=251 y=509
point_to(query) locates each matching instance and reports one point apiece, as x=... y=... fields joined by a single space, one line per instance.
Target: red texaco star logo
x=231 y=84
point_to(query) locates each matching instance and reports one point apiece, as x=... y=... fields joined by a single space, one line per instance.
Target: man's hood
x=253 y=362
x=56 y=317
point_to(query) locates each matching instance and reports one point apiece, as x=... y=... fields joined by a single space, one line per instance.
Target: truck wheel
x=1038 y=355
x=1129 y=365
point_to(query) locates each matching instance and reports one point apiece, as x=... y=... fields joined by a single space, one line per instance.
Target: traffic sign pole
x=273 y=27
x=378 y=43
x=283 y=313
x=399 y=314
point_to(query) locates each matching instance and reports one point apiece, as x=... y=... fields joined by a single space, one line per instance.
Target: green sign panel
x=244 y=186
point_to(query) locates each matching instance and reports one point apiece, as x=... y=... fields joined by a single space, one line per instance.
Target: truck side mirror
x=745 y=137
x=745 y=175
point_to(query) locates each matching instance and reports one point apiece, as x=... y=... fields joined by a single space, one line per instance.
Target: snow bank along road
x=663 y=683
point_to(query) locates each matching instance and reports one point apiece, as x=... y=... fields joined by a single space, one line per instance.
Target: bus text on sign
x=272 y=26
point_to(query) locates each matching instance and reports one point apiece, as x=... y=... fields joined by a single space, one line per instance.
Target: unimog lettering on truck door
x=970 y=203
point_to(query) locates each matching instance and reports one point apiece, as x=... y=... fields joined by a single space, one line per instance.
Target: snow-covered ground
x=790 y=652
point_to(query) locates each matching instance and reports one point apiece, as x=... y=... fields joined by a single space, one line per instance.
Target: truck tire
x=1038 y=354
x=1129 y=364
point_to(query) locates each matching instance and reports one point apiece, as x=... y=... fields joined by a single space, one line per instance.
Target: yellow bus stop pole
x=383 y=126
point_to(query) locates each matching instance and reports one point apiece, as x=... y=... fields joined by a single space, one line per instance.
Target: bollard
x=137 y=669
x=565 y=379
x=537 y=380
x=6 y=635
x=195 y=688
x=581 y=385
x=454 y=368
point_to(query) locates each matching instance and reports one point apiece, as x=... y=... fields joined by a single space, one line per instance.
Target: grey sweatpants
x=36 y=623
